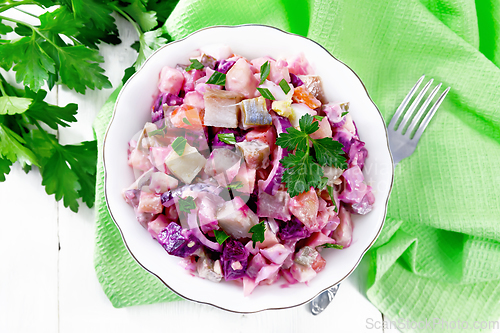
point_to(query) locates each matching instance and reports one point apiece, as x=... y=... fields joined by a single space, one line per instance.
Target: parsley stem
x=32 y=28
x=122 y=13
x=25 y=12
x=2 y=89
x=15 y=4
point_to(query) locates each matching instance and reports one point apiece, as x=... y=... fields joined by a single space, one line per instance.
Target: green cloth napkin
x=438 y=256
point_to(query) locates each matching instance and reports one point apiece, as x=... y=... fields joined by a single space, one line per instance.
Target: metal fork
x=402 y=145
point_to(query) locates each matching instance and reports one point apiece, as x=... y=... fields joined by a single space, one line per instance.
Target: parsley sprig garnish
x=258 y=231
x=302 y=169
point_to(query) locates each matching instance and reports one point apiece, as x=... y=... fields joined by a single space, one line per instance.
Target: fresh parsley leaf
x=266 y=93
x=332 y=246
x=217 y=78
x=5 y=165
x=162 y=8
x=60 y=21
x=128 y=74
x=235 y=186
x=323 y=182
x=293 y=139
x=179 y=145
x=227 y=138
x=265 y=69
x=220 y=236
x=150 y=42
x=301 y=173
x=159 y=131
x=330 y=192
x=34 y=66
x=99 y=12
x=186 y=121
x=329 y=152
x=344 y=113
x=5 y=29
x=187 y=204
x=137 y=10
x=258 y=231
x=14 y=105
x=12 y=147
x=51 y=115
x=284 y=86
x=307 y=125
x=318 y=118
x=80 y=68
x=195 y=64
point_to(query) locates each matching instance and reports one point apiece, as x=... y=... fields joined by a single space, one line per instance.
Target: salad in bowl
x=249 y=169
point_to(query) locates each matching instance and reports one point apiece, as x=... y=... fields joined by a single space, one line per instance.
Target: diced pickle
x=254 y=112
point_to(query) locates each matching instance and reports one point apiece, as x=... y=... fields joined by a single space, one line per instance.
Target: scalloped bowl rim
x=378 y=170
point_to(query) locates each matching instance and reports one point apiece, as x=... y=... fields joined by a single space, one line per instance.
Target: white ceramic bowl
x=340 y=83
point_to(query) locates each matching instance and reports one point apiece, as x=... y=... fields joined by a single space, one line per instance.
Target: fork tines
x=420 y=114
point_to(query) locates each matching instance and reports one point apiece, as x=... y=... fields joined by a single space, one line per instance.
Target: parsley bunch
x=303 y=169
x=63 y=49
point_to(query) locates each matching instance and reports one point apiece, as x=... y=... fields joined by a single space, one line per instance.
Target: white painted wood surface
x=47 y=278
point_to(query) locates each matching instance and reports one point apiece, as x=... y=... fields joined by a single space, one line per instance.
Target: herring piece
x=254 y=112
x=313 y=84
x=255 y=152
x=222 y=108
x=186 y=166
x=236 y=219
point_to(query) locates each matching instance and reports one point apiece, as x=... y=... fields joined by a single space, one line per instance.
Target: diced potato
x=298 y=110
x=240 y=78
x=324 y=130
x=313 y=84
x=149 y=203
x=222 y=108
x=170 y=81
x=223 y=164
x=161 y=182
x=256 y=153
x=254 y=112
x=283 y=108
x=236 y=219
x=187 y=166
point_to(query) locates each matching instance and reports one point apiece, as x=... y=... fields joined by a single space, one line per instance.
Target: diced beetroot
x=324 y=131
x=234 y=260
x=276 y=253
x=171 y=80
x=171 y=213
x=195 y=99
x=343 y=233
x=318 y=239
x=266 y=134
x=240 y=79
x=190 y=78
x=319 y=264
x=157 y=225
x=150 y=203
x=305 y=207
x=177 y=242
